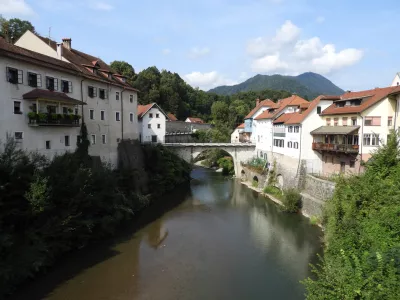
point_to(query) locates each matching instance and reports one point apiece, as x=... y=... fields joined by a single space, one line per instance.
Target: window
x=354 y=121
x=390 y=121
x=279 y=143
x=372 y=121
x=66 y=86
x=336 y=122
x=352 y=164
x=116 y=95
x=289 y=144
x=15 y=76
x=296 y=128
x=76 y=111
x=117 y=116
x=48 y=145
x=344 y=121
x=154 y=139
x=66 y=140
x=91 y=114
x=51 y=83
x=65 y=110
x=131 y=117
x=150 y=115
x=157 y=115
x=92 y=91
x=290 y=129
x=328 y=121
x=51 y=109
x=149 y=126
x=18 y=135
x=296 y=145
x=17 y=108
x=102 y=94
x=131 y=98
x=371 y=139
x=158 y=126
x=319 y=110
x=102 y=115
x=93 y=139
x=34 y=80
x=103 y=139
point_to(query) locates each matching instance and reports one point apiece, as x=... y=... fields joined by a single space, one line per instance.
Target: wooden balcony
x=43 y=119
x=343 y=148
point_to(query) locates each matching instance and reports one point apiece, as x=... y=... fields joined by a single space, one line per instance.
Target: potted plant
x=70 y=110
x=42 y=117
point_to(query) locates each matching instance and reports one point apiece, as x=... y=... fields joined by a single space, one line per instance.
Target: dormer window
x=110 y=76
x=51 y=83
x=14 y=76
x=340 y=104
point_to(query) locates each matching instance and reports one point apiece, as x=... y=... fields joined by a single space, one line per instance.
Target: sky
x=209 y=43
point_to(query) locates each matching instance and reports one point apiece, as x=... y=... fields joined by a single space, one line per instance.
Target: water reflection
x=222 y=242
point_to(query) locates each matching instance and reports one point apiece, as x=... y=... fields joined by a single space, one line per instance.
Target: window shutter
x=105 y=94
x=55 y=84
x=94 y=92
x=69 y=86
x=38 y=80
x=20 y=76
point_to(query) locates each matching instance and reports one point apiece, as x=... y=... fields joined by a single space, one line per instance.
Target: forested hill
x=308 y=85
x=174 y=95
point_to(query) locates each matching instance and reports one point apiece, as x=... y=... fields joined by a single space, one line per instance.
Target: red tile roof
x=172 y=117
x=241 y=126
x=283 y=118
x=264 y=103
x=370 y=97
x=196 y=120
x=281 y=104
x=50 y=95
x=142 y=109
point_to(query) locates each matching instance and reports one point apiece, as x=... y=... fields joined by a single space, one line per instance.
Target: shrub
x=314 y=220
x=226 y=163
x=273 y=191
x=254 y=183
x=256 y=164
x=291 y=200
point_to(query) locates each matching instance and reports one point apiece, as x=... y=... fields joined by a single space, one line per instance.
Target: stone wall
x=249 y=175
x=179 y=138
x=181 y=126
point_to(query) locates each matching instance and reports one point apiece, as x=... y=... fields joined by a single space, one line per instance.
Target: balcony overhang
x=335 y=130
x=46 y=95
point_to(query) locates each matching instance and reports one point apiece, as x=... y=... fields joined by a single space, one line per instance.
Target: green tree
x=14 y=28
x=125 y=69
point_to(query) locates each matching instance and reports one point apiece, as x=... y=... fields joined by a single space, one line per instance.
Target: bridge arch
x=239 y=152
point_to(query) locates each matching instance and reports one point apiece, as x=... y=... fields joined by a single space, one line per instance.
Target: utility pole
x=49 y=35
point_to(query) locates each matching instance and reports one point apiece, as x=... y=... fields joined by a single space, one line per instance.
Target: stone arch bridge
x=239 y=152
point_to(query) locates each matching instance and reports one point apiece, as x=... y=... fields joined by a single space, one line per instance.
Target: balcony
x=344 y=148
x=46 y=119
x=279 y=134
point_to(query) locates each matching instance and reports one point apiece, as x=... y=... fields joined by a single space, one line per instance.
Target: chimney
x=67 y=43
x=257 y=101
x=348 y=91
x=59 y=51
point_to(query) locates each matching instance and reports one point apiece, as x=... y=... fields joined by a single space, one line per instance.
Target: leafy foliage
x=226 y=163
x=256 y=164
x=125 y=69
x=291 y=200
x=362 y=257
x=274 y=191
x=13 y=29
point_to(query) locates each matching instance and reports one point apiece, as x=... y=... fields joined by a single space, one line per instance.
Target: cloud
x=320 y=19
x=15 y=7
x=197 y=52
x=287 y=53
x=208 y=80
x=102 y=6
x=166 y=51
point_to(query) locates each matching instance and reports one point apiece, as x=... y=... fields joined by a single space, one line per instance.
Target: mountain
x=308 y=85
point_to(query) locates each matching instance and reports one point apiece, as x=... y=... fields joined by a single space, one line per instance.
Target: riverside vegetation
x=362 y=233
x=48 y=208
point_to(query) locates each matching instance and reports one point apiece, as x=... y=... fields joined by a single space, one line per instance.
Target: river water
x=223 y=241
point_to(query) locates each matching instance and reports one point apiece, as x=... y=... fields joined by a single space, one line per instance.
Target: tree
x=125 y=69
x=14 y=28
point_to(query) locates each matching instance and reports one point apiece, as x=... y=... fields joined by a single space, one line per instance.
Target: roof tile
x=264 y=103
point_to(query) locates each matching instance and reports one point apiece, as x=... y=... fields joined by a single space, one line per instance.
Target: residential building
x=237 y=135
x=152 y=123
x=171 y=117
x=354 y=126
x=58 y=81
x=396 y=80
x=194 y=120
x=250 y=127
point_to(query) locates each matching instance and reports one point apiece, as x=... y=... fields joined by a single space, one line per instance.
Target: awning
x=51 y=96
x=334 y=130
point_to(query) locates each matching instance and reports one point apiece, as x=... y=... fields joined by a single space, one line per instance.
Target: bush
x=314 y=220
x=256 y=164
x=226 y=163
x=254 y=184
x=273 y=191
x=291 y=200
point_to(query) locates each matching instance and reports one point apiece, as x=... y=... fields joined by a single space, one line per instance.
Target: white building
x=396 y=80
x=194 y=120
x=152 y=122
x=236 y=136
x=41 y=76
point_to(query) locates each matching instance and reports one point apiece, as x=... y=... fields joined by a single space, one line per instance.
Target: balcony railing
x=43 y=119
x=279 y=134
x=335 y=147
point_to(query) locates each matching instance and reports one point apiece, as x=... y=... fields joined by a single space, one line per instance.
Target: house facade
x=152 y=123
x=48 y=76
x=237 y=135
x=396 y=80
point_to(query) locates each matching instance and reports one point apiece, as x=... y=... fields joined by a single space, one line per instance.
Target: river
x=222 y=241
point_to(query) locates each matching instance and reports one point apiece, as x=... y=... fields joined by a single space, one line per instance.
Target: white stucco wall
x=396 y=80
x=235 y=136
x=146 y=132
x=257 y=130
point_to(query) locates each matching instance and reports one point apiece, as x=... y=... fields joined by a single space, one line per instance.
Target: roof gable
x=143 y=110
x=280 y=106
x=264 y=103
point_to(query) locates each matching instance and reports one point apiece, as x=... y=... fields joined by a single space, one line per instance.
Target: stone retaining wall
x=248 y=175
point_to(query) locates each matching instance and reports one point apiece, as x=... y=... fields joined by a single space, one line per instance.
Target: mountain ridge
x=308 y=85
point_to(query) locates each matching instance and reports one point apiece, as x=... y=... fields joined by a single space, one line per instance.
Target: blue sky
x=213 y=42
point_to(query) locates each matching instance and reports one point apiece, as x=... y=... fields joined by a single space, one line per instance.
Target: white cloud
x=287 y=53
x=320 y=19
x=208 y=80
x=102 y=6
x=166 y=51
x=15 y=7
x=197 y=52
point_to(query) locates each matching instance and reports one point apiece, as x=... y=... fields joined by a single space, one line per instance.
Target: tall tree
x=125 y=69
x=14 y=28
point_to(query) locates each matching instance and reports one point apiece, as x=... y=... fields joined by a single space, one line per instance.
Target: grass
x=314 y=220
x=254 y=184
x=274 y=191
